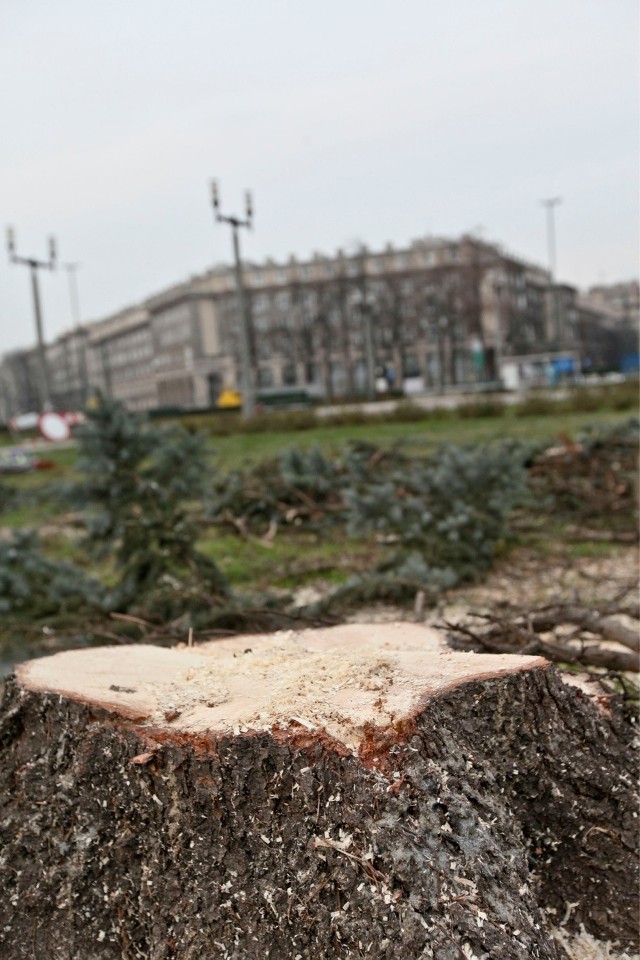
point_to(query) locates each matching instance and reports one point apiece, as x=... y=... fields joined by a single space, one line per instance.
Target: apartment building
x=610 y=325
x=436 y=314
x=622 y=300
x=20 y=384
x=67 y=361
x=120 y=358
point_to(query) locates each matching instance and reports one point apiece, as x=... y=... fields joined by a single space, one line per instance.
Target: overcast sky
x=368 y=120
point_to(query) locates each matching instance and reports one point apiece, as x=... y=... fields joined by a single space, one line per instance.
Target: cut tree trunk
x=351 y=792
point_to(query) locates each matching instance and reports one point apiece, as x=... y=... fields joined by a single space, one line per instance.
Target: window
x=312 y=371
x=386 y=336
x=360 y=376
x=263 y=348
x=289 y=374
x=285 y=344
x=411 y=366
x=265 y=377
x=337 y=374
x=260 y=302
x=261 y=322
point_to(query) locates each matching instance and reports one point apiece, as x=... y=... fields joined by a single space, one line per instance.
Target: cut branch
x=528 y=632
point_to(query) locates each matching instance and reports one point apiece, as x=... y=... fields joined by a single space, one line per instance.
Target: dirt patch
x=525 y=579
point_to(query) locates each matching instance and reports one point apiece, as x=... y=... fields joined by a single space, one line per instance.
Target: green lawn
x=291 y=560
x=247 y=449
x=241 y=449
x=295 y=557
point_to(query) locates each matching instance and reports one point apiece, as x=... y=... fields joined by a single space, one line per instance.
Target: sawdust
x=338 y=680
x=583 y=946
x=314 y=693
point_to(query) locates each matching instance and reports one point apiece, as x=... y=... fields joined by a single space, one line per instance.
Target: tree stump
x=358 y=791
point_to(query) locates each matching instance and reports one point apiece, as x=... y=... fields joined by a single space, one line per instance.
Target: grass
x=62 y=547
x=590 y=550
x=63 y=462
x=293 y=559
x=297 y=558
x=555 y=536
x=42 y=504
x=241 y=450
x=28 y=514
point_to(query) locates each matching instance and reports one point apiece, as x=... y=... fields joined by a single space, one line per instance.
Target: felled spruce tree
x=442 y=519
x=138 y=482
x=33 y=586
x=452 y=508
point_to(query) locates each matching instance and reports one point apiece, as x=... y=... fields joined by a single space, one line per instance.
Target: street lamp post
x=550 y=203
x=35 y=265
x=248 y=393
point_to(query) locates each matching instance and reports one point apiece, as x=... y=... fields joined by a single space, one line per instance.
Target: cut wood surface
x=339 y=680
x=359 y=791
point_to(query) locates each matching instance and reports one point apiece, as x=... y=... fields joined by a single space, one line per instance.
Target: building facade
x=610 y=317
x=438 y=314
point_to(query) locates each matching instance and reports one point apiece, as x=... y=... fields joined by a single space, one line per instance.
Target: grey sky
x=365 y=120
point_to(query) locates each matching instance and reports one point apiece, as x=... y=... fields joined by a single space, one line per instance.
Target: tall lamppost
x=35 y=265
x=248 y=393
x=550 y=203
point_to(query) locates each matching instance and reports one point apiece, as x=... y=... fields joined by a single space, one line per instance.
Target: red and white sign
x=54 y=427
x=74 y=417
x=24 y=421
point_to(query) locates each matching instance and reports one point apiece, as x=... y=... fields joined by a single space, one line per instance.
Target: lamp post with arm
x=35 y=265
x=558 y=332
x=247 y=386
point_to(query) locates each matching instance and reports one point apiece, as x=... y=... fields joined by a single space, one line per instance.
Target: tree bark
x=351 y=792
